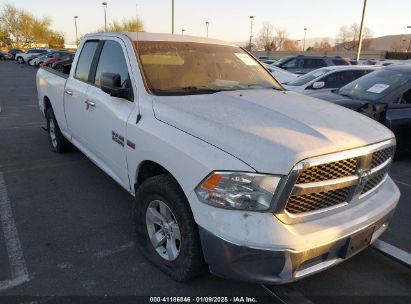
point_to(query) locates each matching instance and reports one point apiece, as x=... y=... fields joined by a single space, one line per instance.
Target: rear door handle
x=68 y=92
x=89 y=104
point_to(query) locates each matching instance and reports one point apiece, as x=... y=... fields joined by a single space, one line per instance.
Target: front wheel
x=58 y=143
x=20 y=60
x=167 y=234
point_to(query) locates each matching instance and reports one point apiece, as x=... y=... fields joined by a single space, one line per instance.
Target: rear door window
x=310 y=63
x=85 y=60
x=338 y=79
x=295 y=63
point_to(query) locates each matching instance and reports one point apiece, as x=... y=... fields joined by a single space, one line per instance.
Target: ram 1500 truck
x=228 y=169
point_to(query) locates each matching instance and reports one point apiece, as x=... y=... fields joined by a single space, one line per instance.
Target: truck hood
x=269 y=130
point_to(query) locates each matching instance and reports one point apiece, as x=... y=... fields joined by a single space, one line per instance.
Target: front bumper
x=232 y=261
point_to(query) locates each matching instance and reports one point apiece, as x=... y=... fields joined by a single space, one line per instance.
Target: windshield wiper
x=186 y=90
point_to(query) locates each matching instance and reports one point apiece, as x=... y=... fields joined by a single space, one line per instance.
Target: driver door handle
x=89 y=104
x=68 y=92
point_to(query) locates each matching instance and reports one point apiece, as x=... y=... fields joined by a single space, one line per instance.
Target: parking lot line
x=108 y=252
x=287 y=295
x=402 y=183
x=19 y=273
x=393 y=251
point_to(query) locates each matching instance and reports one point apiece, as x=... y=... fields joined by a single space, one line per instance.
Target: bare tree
x=271 y=39
x=324 y=46
x=399 y=47
x=347 y=37
x=280 y=37
x=290 y=45
x=265 y=40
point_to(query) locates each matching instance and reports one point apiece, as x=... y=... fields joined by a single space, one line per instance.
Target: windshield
x=281 y=61
x=181 y=68
x=376 y=85
x=308 y=77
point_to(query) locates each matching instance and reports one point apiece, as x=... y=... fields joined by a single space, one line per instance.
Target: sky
x=229 y=19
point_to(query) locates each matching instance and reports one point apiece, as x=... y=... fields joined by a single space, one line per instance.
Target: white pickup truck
x=228 y=169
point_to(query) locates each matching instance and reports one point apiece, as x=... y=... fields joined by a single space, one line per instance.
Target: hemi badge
x=131 y=144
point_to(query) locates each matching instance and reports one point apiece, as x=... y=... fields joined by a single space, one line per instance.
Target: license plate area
x=357 y=242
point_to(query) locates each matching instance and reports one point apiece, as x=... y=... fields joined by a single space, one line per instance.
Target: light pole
x=251 y=32
x=75 y=25
x=172 y=17
x=207 y=25
x=105 y=15
x=182 y=31
x=409 y=46
x=361 y=31
x=305 y=36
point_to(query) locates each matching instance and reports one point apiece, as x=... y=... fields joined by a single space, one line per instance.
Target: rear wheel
x=20 y=60
x=58 y=143
x=167 y=234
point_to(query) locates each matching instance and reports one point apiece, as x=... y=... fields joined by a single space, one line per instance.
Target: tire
x=58 y=143
x=186 y=261
x=20 y=60
x=29 y=62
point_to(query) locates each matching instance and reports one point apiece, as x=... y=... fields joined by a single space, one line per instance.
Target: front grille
x=315 y=201
x=337 y=169
x=375 y=180
x=316 y=187
x=379 y=157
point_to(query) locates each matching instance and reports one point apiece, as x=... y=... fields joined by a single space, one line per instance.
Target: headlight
x=237 y=190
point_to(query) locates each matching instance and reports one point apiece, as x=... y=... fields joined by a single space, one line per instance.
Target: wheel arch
x=46 y=104
x=150 y=168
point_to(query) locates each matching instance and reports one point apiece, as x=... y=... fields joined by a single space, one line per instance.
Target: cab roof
x=144 y=36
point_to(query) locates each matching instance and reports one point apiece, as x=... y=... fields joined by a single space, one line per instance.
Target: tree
x=347 y=37
x=291 y=45
x=55 y=41
x=271 y=39
x=323 y=46
x=5 y=40
x=131 y=25
x=399 y=47
x=24 y=30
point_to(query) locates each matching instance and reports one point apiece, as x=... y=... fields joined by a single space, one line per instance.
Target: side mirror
x=318 y=85
x=110 y=83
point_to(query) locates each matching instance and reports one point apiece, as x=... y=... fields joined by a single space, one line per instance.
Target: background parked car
x=5 y=56
x=63 y=66
x=389 y=86
x=281 y=75
x=329 y=78
x=40 y=59
x=57 y=56
x=303 y=64
x=13 y=53
x=30 y=54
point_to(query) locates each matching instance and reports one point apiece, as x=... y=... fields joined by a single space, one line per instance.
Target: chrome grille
x=317 y=184
x=337 y=169
x=315 y=201
x=381 y=156
x=375 y=180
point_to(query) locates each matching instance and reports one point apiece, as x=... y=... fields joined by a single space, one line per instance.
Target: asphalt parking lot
x=67 y=230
